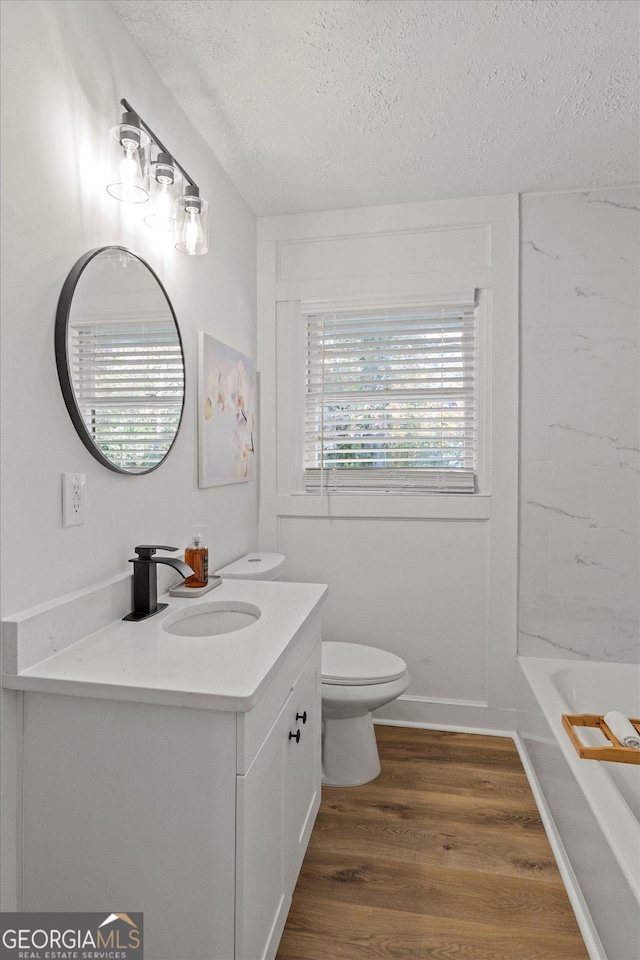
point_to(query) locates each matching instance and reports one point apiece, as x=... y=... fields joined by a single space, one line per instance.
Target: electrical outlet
x=74 y=496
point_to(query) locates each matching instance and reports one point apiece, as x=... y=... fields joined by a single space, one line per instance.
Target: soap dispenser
x=197 y=557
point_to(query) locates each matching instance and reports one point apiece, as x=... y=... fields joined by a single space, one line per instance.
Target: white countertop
x=141 y=662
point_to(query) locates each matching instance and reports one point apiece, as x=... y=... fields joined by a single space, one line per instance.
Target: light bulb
x=193 y=236
x=129 y=168
x=165 y=178
x=164 y=201
x=192 y=230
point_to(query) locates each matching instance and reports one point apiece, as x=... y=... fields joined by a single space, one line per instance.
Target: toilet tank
x=254 y=566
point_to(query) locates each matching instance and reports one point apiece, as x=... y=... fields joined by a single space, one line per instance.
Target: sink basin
x=211 y=619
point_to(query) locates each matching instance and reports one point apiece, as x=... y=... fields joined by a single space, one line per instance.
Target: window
x=391 y=400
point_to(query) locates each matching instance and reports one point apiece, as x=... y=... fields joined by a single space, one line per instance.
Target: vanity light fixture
x=186 y=215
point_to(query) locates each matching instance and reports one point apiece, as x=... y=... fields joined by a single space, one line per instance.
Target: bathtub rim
x=583 y=915
x=607 y=804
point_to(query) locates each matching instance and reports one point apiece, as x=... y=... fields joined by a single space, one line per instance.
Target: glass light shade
x=130 y=162
x=193 y=234
x=165 y=182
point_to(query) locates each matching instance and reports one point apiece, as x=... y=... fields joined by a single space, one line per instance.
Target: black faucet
x=145 y=580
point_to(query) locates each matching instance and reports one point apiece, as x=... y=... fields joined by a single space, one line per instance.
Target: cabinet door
x=303 y=768
x=263 y=891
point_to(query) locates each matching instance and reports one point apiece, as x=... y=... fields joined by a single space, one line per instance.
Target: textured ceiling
x=316 y=104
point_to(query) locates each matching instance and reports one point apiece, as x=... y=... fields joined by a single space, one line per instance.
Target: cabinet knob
x=302 y=716
x=295 y=736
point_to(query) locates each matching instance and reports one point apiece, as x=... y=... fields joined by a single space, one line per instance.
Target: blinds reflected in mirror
x=391 y=400
x=120 y=360
x=128 y=380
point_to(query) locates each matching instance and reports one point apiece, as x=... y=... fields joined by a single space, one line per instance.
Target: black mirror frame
x=62 y=358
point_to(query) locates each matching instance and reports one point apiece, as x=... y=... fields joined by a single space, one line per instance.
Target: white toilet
x=356 y=679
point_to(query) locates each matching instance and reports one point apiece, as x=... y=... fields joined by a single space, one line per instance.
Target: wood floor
x=442 y=856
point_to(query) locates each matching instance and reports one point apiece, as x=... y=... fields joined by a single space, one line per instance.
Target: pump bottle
x=197 y=556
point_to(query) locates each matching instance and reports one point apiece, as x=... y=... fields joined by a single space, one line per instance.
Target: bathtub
x=593 y=807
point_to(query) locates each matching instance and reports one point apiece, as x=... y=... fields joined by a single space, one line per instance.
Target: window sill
x=428 y=506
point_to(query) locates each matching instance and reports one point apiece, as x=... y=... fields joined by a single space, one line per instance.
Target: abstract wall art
x=226 y=414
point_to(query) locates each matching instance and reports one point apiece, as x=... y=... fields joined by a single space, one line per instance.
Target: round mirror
x=120 y=360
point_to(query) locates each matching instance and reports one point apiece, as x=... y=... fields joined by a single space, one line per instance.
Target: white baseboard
x=450 y=728
x=430 y=713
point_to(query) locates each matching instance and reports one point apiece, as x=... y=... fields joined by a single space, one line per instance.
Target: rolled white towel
x=623 y=729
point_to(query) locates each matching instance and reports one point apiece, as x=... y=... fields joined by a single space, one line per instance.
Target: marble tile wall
x=580 y=446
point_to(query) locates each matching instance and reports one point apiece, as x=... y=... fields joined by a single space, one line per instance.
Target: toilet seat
x=354 y=664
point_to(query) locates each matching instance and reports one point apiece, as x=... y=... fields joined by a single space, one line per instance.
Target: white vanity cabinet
x=278 y=798
x=304 y=767
x=199 y=818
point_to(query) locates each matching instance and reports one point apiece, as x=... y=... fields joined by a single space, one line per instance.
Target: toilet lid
x=355 y=663
x=253 y=566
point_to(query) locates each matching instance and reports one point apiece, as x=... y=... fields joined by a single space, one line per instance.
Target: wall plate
x=74 y=497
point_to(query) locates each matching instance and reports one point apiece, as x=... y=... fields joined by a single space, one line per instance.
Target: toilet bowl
x=356 y=679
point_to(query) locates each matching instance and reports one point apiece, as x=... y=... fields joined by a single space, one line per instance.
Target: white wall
x=65 y=67
x=580 y=443
x=432 y=578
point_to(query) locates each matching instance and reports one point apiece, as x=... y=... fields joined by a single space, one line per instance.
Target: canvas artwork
x=226 y=415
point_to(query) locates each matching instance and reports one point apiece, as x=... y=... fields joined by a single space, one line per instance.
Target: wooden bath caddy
x=616 y=752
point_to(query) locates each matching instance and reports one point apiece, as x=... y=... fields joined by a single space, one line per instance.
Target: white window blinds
x=129 y=385
x=391 y=400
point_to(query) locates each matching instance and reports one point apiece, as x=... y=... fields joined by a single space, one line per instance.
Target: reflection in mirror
x=120 y=360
